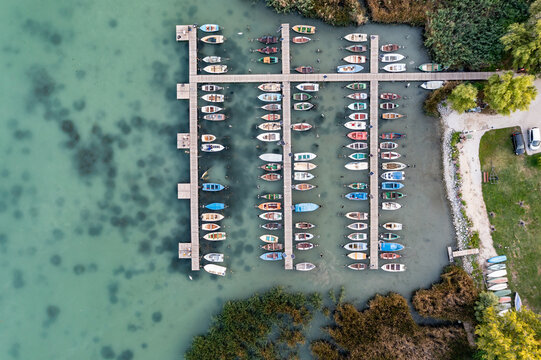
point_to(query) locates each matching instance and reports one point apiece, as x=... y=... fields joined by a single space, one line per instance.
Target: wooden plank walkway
x=374 y=198
x=288 y=197
x=194 y=177
x=374 y=54
x=286 y=55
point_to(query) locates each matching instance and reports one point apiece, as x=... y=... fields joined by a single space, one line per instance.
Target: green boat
x=268 y=60
x=502 y=293
x=358 y=186
x=358 y=156
x=303 y=106
x=272 y=196
x=301 y=96
x=431 y=67
x=356 y=86
x=390 y=195
x=388 y=236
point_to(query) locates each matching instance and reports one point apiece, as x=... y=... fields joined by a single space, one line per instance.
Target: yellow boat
x=304 y=29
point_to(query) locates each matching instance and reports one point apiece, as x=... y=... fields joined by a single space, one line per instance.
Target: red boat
x=272 y=247
x=390 y=47
x=268 y=39
x=392 y=136
x=389 y=96
x=300 y=39
x=389 y=256
x=358 y=135
x=271 y=117
x=302 y=127
x=304 y=246
x=268 y=50
x=271 y=177
x=304 y=69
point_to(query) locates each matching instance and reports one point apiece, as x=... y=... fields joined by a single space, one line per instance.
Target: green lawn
x=516 y=197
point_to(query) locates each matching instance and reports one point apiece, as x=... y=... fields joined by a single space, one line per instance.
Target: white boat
x=270 y=157
x=305 y=266
x=304 y=166
x=356 y=37
x=393 y=166
x=270 y=87
x=357 y=256
x=215 y=236
x=386 y=58
x=268 y=137
x=358 y=116
x=217 y=98
x=215 y=69
x=210 y=109
x=211 y=217
x=212 y=59
x=497 y=287
x=432 y=85
x=357 y=236
x=357 y=165
x=393 y=175
x=356 y=125
x=302 y=176
x=212 y=147
x=497 y=273
x=356 y=246
x=214 y=257
x=215 y=269
x=394 y=267
x=211 y=87
x=357 y=96
x=395 y=67
x=355 y=215
x=308 y=87
x=358 y=226
x=392 y=226
x=206 y=138
x=390 y=205
x=355 y=59
x=213 y=39
x=270 y=126
x=304 y=156
x=303 y=236
x=357 y=145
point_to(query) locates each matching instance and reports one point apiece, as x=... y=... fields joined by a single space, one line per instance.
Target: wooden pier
x=374 y=173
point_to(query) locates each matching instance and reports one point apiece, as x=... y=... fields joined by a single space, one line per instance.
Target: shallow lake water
x=88 y=210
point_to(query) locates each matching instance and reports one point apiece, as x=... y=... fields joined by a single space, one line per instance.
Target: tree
x=463 y=97
x=523 y=41
x=486 y=300
x=513 y=336
x=506 y=93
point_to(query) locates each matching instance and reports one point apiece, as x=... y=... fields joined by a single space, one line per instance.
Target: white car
x=534 y=138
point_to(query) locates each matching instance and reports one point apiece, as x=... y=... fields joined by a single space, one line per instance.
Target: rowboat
x=272 y=107
x=518 y=302
x=395 y=67
x=268 y=39
x=304 y=156
x=209 y=109
x=303 y=106
x=497 y=273
x=393 y=175
x=211 y=88
x=271 y=117
x=218 y=98
x=504 y=307
x=355 y=59
x=356 y=37
x=389 y=205
x=273 y=247
x=215 y=69
x=271 y=256
x=357 y=96
x=390 y=57
x=303 y=236
x=268 y=137
x=358 y=226
x=210 y=227
x=392 y=226
x=215 y=206
x=388 y=145
x=391 y=115
x=304 y=69
x=272 y=226
x=271 y=196
x=431 y=67
x=212 y=147
x=357 y=196
x=358 y=186
x=357 y=266
x=432 y=85
x=356 y=85
x=269 y=238
x=214 y=257
x=392 y=195
x=388 y=246
x=304 y=225
x=389 y=256
x=212 y=187
x=388 y=106
x=271 y=167
x=304 y=166
x=270 y=206
x=215 y=269
x=390 y=47
x=271 y=177
x=391 y=136
x=504 y=299
x=389 y=96
x=267 y=50
x=304 y=187
x=355 y=215
x=355 y=125
x=357 y=236
x=270 y=157
x=356 y=246
x=357 y=106
x=503 y=293
x=356 y=165
x=301 y=96
x=270 y=126
x=497 y=287
x=211 y=217
x=390 y=155
x=357 y=256
x=207 y=138
x=349 y=69
x=305 y=266
x=212 y=59
x=300 y=39
x=209 y=28
x=301 y=127
x=270 y=97
x=268 y=60
x=214 y=117
x=496 y=267
x=394 y=267
x=391 y=185
x=388 y=236
x=358 y=116
x=499 y=280
x=215 y=236
x=271 y=216
x=306 y=207
x=356 y=48
x=358 y=135
x=270 y=87
x=358 y=156
x=310 y=87
x=304 y=29
x=497 y=259
x=393 y=166
x=213 y=39
x=357 y=146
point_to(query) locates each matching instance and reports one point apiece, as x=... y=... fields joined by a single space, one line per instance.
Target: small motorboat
x=212 y=147
x=304 y=69
x=309 y=87
x=212 y=187
x=356 y=246
x=357 y=196
x=390 y=155
x=358 y=116
x=272 y=226
x=215 y=236
x=209 y=28
x=306 y=207
x=211 y=217
x=304 y=246
x=269 y=238
x=214 y=257
x=432 y=85
x=386 y=58
x=358 y=185
x=268 y=60
x=388 y=246
x=213 y=39
x=356 y=37
x=270 y=206
x=388 y=236
x=304 y=156
x=215 y=69
x=215 y=269
x=495 y=267
x=271 y=117
x=392 y=195
x=356 y=85
x=271 y=256
x=271 y=157
x=355 y=215
x=267 y=50
x=273 y=247
x=393 y=175
x=301 y=127
x=271 y=167
x=215 y=117
x=357 y=236
x=358 y=226
x=357 y=146
x=390 y=47
x=393 y=166
x=389 y=96
x=357 y=96
x=391 y=185
x=497 y=273
x=212 y=59
x=497 y=287
x=304 y=29
x=210 y=227
x=497 y=259
x=391 y=136
x=206 y=138
x=304 y=166
x=270 y=87
x=357 y=106
x=391 y=116
x=358 y=135
x=357 y=165
x=349 y=69
x=304 y=187
x=211 y=88
x=271 y=177
x=270 y=97
x=303 y=236
x=358 y=156
x=217 y=98
x=355 y=59
x=305 y=266
x=272 y=107
x=389 y=205
x=270 y=126
x=357 y=256
x=300 y=39
x=209 y=109
x=301 y=96
x=394 y=267
x=304 y=225
x=400 y=67
x=389 y=256
x=388 y=145
x=388 y=106
x=271 y=196
x=269 y=137
x=268 y=39
x=302 y=176
x=357 y=266
x=394 y=226
x=431 y=67
x=303 y=106
x=271 y=216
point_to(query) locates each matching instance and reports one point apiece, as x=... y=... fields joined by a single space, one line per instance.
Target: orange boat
x=389 y=256
x=270 y=206
x=391 y=116
x=301 y=127
x=304 y=187
x=210 y=227
x=271 y=117
x=358 y=135
x=271 y=177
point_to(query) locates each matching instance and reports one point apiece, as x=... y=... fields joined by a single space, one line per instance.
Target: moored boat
x=268 y=238
x=211 y=217
x=270 y=97
x=356 y=215
x=391 y=115
x=358 y=116
x=301 y=127
x=304 y=69
x=211 y=88
x=304 y=166
x=356 y=85
x=270 y=87
x=388 y=145
x=392 y=226
x=389 y=155
x=212 y=59
x=215 y=269
x=358 y=226
x=304 y=266
x=393 y=175
x=272 y=107
x=357 y=256
x=386 y=58
x=217 y=98
x=389 y=96
x=210 y=227
x=357 y=146
x=358 y=135
x=357 y=236
x=212 y=187
x=304 y=29
x=358 y=186
x=389 y=246
x=214 y=257
x=304 y=187
x=271 y=216
x=388 y=106
x=389 y=236
x=215 y=236
x=212 y=147
x=306 y=207
x=357 y=266
x=356 y=37
x=309 y=87
x=398 y=67
x=357 y=96
x=393 y=166
x=207 y=138
x=303 y=106
x=304 y=225
x=214 y=117
x=271 y=196
x=213 y=39
x=273 y=247
x=304 y=156
x=268 y=60
x=389 y=256
x=270 y=126
x=358 y=156
x=391 y=185
x=267 y=50
x=391 y=136
x=271 y=177
x=304 y=246
x=301 y=96
x=349 y=69
x=209 y=27
x=357 y=106
x=390 y=47
x=271 y=167
x=271 y=256
x=390 y=205
x=268 y=39
x=300 y=39
x=432 y=85
x=215 y=69
x=269 y=137
x=357 y=165
x=356 y=246
x=357 y=196
x=272 y=226
x=271 y=117
x=431 y=67
x=392 y=195
x=303 y=236
x=355 y=59
x=271 y=157
x=356 y=48
x=270 y=206
x=209 y=109
x=394 y=267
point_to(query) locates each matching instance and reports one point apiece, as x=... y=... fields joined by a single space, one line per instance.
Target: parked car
x=534 y=138
x=518 y=143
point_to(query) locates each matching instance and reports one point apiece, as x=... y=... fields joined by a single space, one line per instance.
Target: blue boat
x=357 y=196
x=385 y=246
x=518 y=302
x=209 y=27
x=391 y=185
x=351 y=68
x=306 y=207
x=497 y=259
x=215 y=206
x=272 y=256
x=393 y=175
x=212 y=187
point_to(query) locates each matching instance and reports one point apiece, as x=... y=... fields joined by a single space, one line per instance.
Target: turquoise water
x=88 y=213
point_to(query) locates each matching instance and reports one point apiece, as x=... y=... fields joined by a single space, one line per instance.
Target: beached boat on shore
x=495 y=267
x=497 y=287
x=215 y=269
x=497 y=259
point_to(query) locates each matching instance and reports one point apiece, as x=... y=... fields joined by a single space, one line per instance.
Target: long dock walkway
x=374 y=186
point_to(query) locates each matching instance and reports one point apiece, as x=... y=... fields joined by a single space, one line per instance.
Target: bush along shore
x=334 y=12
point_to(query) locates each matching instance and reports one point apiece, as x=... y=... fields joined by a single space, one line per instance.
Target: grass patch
x=514 y=199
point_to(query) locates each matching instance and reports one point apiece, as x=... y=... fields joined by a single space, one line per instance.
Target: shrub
x=437 y=96
x=413 y=12
x=334 y=12
x=463 y=97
